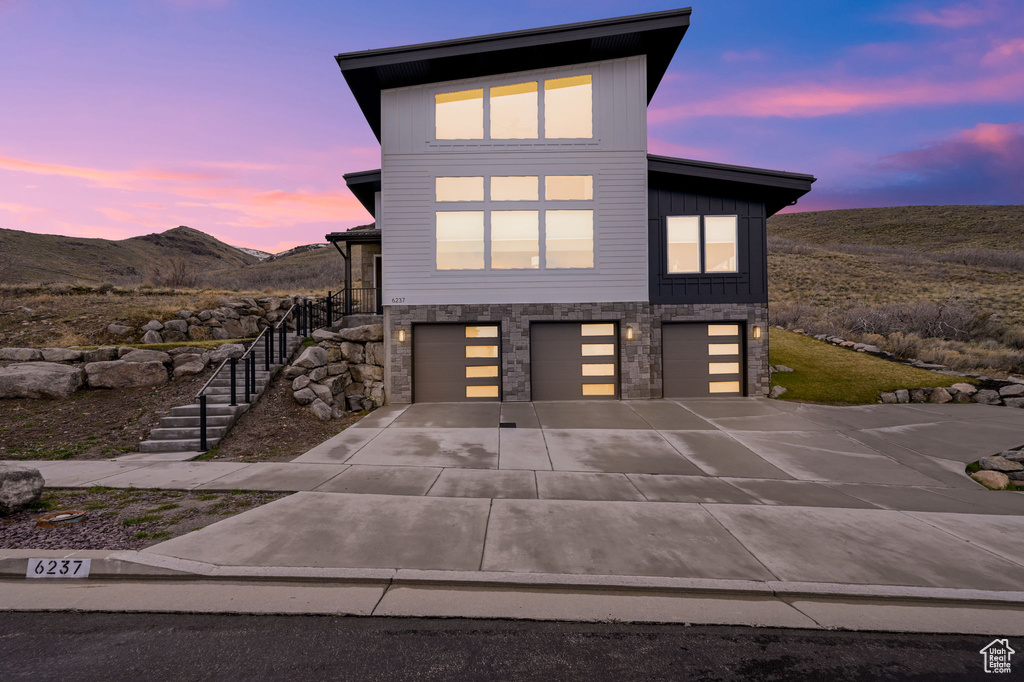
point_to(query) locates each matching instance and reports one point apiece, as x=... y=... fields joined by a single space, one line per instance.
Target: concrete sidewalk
x=732 y=501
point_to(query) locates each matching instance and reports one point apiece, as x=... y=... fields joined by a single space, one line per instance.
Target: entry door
x=574 y=360
x=455 y=363
x=702 y=359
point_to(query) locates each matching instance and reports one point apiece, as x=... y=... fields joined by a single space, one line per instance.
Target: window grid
x=702 y=244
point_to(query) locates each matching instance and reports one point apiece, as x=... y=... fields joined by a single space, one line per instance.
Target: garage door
x=455 y=363
x=702 y=359
x=574 y=360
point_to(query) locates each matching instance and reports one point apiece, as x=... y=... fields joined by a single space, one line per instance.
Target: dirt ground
x=277 y=429
x=123 y=519
x=90 y=424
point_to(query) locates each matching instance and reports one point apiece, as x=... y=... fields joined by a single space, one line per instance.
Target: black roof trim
x=656 y=34
x=364 y=184
x=354 y=236
x=777 y=189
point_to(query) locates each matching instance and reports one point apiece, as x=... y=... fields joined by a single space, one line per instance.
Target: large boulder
x=325 y=335
x=338 y=383
x=250 y=326
x=304 y=396
x=21 y=354
x=367 y=332
x=175 y=325
x=314 y=356
x=322 y=392
x=100 y=354
x=352 y=352
x=61 y=355
x=40 y=380
x=367 y=373
x=225 y=351
x=963 y=387
x=986 y=397
x=993 y=480
x=940 y=395
x=152 y=326
x=232 y=328
x=119 y=329
x=374 y=353
x=143 y=355
x=300 y=383
x=999 y=463
x=189 y=364
x=198 y=333
x=321 y=410
x=1012 y=390
x=121 y=374
x=152 y=336
x=20 y=487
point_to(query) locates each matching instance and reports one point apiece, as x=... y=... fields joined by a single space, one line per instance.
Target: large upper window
x=515 y=219
x=515 y=111
x=702 y=244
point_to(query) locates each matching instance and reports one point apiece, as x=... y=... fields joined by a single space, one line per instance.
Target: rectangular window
x=599 y=370
x=482 y=372
x=683 y=243
x=723 y=368
x=514 y=112
x=481 y=391
x=569 y=239
x=459 y=115
x=720 y=244
x=569 y=187
x=723 y=387
x=459 y=189
x=603 y=329
x=723 y=330
x=723 y=349
x=481 y=351
x=488 y=332
x=568 y=108
x=598 y=389
x=460 y=240
x=597 y=349
x=514 y=188
x=515 y=240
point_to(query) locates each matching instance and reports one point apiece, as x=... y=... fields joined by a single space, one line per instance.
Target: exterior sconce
x=401 y=336
x=629 y=332
x=757 y=333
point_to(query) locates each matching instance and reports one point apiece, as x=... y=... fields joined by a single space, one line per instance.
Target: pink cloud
x=813 y=99
x=665 y=148
x=1003 y=52
x=105 y=178
x=992 y=145
x=21 y=209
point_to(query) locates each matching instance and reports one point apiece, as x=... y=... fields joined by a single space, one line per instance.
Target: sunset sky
x=125 y=117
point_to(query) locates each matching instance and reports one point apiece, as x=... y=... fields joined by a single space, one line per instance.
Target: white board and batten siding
x=616 y=156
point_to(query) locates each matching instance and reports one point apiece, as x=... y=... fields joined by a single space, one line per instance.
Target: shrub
x=792 y=314
x=903 y=345
x=177 y=272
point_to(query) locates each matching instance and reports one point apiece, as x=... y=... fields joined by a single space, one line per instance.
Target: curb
x=135 y=565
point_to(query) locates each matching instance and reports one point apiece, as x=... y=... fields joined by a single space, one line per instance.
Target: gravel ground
x=123 y=519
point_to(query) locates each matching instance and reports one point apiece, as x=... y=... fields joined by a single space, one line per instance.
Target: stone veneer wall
x=640 y=359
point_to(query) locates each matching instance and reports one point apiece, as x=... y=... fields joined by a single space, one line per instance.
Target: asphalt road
x=111 y=647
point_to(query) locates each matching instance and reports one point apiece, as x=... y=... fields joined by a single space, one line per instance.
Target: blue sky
x=125 y=117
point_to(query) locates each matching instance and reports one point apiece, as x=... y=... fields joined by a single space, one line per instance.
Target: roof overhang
x=354 y=237
x=777 y=189
x=364 y=185
x=655 y=34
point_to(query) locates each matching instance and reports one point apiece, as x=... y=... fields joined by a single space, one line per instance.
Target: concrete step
x=223 y=399
x=174 y=445
x=211 y=410
x=187 y=434
x=193 y=422
x=226 y=390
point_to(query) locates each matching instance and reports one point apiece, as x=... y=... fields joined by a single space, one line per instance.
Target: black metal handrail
x=301 y=324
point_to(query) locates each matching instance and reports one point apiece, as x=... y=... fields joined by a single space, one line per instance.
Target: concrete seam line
x=547 y=450
x=487 y=527
x=198 y=486
x=634 y=486
x=711 y=513
x=960 y=539
x=434 y=482
x=387 y=588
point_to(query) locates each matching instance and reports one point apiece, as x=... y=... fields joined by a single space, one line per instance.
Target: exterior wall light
x=757 y=333
x=629 y=332
x=401 y=336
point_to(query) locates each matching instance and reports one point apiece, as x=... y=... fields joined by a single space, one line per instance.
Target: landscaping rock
x=986 y=397
x=152 y=326
x=185 y=314
x=121 y=374
x=225 y=351
x=776 y=391
x=152 y=336
x=322 y=392
x=123 y=351
x=197 y=333
x=232 y=328
x=100 y=354
x=889 y=398
x=355 y=402
x=291 y=372
x=40 y=380
x=61 y=355
x=300 y=383
x=317 y=373
x=367 y=373
x=352 y=352
x=902 y=396
x=146 y=356
x=367 y=332
x=1013 y=402
x=963 y=398
x=119 y=329
x=993 y=480
x=377 y=395
x=338 y=383
x=326 y=335
x=355 y=389
x=374 y=353
x=21 y=354
x=334 y=355
x=321 y=410
x=997 y=463
x=304 y=396
x=20 y=487
x=1012 y=390
x=969 y=389
x=940 y=395
x=1013 y=455
x=314 y=356
x=920 y=395
x=176 y=326
x=250 y=326
x=188 y=365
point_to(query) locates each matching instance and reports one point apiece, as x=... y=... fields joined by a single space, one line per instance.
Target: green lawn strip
x=837 y=376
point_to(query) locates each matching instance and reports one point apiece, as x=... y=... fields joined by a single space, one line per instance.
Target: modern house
x=531 y=248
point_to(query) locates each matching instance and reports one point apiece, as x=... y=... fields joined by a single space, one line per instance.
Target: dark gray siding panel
x=749 y=285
